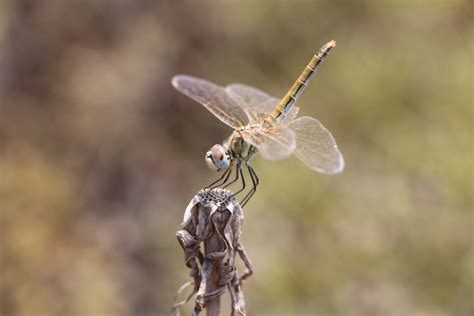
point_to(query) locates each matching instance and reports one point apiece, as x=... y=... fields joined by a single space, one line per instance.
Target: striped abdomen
x=283 y=107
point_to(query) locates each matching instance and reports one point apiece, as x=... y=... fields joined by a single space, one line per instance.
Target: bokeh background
x=99 y=155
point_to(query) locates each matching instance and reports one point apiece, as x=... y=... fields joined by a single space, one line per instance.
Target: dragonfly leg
x=255 y=182
x=255 y=175
x=237 y=174
x=243 y=180
x=222 y=180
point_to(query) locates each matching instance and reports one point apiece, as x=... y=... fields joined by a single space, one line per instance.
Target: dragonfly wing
x=257 y=103
x=292 y=114
x=273 y=143
x=315 y=146
x=229 y=109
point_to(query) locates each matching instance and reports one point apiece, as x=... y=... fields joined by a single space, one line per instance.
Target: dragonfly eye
x=217 y=158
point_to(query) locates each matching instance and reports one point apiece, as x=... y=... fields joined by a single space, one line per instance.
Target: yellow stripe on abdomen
x=283 y=107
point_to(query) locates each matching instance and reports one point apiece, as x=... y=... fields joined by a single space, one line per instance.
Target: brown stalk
x=213 y=219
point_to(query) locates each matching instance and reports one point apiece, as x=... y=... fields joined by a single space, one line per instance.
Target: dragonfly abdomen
x=284 y=106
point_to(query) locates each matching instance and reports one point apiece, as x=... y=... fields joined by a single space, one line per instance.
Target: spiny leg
x=229 y=172
x=243 y=181
x=222 y=180
x=252 y=190
x=255 y=182
x=237 y=174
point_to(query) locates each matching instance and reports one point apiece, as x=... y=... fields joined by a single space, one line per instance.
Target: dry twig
x=214 y=218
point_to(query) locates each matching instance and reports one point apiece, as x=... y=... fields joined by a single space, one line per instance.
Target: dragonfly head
x=217 y=158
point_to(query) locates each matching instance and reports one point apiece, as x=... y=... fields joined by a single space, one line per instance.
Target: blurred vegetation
x=99 y=155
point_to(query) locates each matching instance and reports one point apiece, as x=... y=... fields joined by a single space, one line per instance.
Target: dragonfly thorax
x=239 y=148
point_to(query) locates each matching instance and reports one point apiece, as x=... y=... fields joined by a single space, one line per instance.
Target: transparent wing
x=227 y=108
x=273 y=143
x=257 y=103
x=315 y=145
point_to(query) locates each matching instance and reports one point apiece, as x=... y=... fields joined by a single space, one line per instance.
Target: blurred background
x=99 y=155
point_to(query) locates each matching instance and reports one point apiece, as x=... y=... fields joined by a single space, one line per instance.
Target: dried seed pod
x=213 y=218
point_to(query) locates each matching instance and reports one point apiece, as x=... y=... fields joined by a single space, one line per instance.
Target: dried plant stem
x=214 y=307
x=212 y=245
x=213 y=218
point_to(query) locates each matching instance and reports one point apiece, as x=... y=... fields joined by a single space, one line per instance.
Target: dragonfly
x=263 y=124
